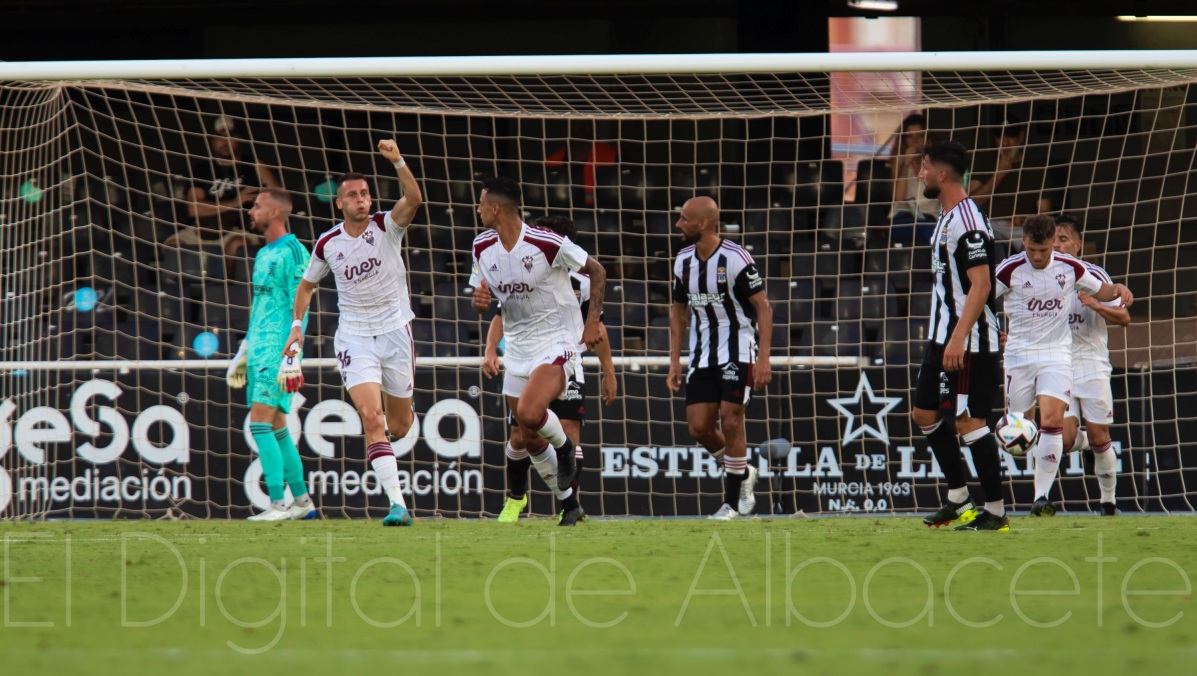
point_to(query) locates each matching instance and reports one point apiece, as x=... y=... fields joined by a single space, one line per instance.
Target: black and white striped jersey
x=963 y=240
x=716 y=291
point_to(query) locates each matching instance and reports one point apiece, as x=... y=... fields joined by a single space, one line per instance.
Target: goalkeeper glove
x=236 y=375
x=290 y=374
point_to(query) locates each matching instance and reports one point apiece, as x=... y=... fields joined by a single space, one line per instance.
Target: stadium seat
x=424 y=336
x=658 y=337
x=897 y=347
x=879 y=299
x=838 y=339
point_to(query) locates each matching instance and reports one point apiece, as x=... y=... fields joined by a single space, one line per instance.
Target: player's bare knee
x=372 y=419
x=530 y=416
x=701 y=428
x=731 y=424
x=1099 y=435
x=923 y=417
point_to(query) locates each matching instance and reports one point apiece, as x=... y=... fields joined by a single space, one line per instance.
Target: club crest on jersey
x=527 y=263
x=369 y=237
x=1061 y=280
x=721 y=275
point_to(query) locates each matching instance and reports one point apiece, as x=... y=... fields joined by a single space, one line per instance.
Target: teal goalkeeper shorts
x=263 y=388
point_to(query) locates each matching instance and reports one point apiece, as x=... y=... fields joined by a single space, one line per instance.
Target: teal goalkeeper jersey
x=278 y=268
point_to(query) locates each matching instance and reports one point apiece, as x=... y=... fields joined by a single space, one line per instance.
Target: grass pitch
x=834 y=595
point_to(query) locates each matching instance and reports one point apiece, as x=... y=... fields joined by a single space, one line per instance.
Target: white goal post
x=114 y=332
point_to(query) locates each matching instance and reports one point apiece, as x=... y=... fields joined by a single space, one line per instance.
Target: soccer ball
x=1017 y=433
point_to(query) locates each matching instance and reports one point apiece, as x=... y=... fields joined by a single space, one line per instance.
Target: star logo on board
x=854 y=407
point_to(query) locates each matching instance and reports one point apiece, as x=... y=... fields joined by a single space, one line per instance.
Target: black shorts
x=974 y=389
x=572 y=407
x=730 y=382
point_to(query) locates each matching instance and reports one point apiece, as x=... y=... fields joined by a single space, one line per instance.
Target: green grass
x=275 y=576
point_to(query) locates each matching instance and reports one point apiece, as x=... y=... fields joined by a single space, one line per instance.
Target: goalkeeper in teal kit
x=278 y=268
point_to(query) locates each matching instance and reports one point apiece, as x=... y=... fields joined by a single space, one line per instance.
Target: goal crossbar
x=597 y=64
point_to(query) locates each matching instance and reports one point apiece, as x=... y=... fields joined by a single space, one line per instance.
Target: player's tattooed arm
x=591 y=335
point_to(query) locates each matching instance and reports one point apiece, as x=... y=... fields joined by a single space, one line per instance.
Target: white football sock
x=546 y=465
x=552 y=431
x=997 y=508
x=1047 y=460
x=382 y=460
x=958 y=495
x=1106 y=466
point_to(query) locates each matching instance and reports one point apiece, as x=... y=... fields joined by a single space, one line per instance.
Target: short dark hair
x=1071 y=220
x=558 y=224
x=1039 y=228
x=351 y=176
x=279 y=195
x=951 y=153
x=504 y=188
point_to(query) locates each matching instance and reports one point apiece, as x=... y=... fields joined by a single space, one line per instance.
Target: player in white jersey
x=1092 y=396
x=719 y=294
x=527 y=270
x=1039 y=285
x=960 y=378
x=375 y=350
x=572 y=409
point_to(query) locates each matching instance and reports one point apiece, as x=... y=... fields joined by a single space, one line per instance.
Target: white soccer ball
x=1017 y=433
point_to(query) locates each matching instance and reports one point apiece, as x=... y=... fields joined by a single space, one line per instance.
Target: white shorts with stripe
x=1093 y=401
x=388 y=359
x=517 y=371
x=1026 y=382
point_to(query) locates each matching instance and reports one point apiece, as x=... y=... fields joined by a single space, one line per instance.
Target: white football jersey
x=372 y=290
x=532 y=282
x=1038 y=303
x=1090 y=334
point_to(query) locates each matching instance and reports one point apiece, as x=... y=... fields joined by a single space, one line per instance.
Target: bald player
x=719 y=294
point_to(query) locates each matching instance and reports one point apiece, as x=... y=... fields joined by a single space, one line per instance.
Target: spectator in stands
x=582 y=155
x=223 y=186
x=913 y=215
x=1008 y=185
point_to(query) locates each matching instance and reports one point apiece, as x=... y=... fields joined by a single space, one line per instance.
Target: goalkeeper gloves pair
x=290 y=373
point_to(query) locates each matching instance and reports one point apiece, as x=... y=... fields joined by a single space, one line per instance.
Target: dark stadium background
x=172 y=29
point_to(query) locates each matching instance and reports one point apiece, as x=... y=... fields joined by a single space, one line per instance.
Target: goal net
x=118 y=316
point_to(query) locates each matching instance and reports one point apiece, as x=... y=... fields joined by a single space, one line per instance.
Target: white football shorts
x=1093 y=400
x=388 y=359
x=516 y=371
x=1026 y=382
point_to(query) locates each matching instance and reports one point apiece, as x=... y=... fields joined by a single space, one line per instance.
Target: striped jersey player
x=719 y=294
x=959 y=378
x=1039 y=285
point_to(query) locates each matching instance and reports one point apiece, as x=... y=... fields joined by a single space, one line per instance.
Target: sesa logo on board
x=37 y=431
x=327 y=423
